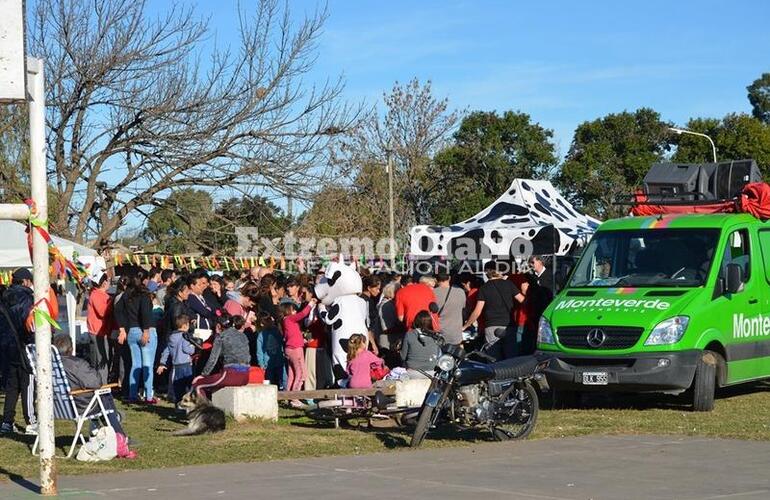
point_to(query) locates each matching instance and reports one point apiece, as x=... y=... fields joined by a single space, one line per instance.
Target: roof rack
x=640 y=198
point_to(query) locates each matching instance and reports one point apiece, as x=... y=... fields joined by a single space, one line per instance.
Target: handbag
x=202 y=334
x=378 y=371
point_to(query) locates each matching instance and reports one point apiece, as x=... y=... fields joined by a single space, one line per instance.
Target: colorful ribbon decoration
x=38 y=316
x=233 y=263
x=60 y=265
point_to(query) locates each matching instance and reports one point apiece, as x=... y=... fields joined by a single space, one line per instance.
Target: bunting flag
x=43 y=315
x=60 y=266
x=226 y=262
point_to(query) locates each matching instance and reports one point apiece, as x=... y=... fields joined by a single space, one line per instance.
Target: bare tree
x=135 y=112
x=415 y=126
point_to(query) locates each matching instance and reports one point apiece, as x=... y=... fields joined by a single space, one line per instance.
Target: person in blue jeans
x=137 y=329
x=270 y=350
x=179 y=351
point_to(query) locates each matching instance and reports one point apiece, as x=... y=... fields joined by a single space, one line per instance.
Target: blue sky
x=561 y=62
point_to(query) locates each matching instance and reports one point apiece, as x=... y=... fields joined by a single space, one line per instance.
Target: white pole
x=392 y=242
x=15 y=211
x=35 y=87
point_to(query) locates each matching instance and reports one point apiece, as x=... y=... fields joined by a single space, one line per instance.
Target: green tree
x=14 y=164
x=248 y=211
x=178 y=224
x=488 y=153
x=736 y=136
x=609 y=156
x=759 y=97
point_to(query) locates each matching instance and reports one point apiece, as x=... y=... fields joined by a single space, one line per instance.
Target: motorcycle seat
x=520 y=366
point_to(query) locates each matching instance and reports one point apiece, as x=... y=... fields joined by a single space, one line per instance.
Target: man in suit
x=541 y=294
x=542 y=276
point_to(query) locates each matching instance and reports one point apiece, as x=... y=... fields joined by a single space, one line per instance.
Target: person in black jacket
x=134 y=314
x=203 y=313
x=15 y=308
x=542 y=286
x=176 y=304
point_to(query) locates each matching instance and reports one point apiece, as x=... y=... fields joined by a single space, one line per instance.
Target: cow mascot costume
x=342 y=309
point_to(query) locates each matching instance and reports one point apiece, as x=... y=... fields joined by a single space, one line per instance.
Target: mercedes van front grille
x=599 y=337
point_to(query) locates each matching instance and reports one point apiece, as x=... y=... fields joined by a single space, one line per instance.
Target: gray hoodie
x=419 y=352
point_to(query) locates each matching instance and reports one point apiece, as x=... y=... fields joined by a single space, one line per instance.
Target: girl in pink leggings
x=294 y=344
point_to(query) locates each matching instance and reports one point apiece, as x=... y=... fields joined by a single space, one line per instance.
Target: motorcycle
x=498 y=395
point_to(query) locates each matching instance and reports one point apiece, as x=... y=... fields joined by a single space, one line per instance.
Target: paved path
x=643 y=467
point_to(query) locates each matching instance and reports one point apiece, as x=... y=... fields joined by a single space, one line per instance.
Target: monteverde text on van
x=743 y=327
x=656 y=304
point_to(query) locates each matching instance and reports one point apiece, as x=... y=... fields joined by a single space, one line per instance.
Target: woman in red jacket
x=99 y=322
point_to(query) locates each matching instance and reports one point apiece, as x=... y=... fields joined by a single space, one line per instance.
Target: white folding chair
x=64 y=406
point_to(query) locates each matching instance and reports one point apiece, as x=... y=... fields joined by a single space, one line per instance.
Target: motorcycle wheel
x=423 y=424
x=520 y=423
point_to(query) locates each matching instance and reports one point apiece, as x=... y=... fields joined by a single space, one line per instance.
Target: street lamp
x=392 y=242
x=680 y=131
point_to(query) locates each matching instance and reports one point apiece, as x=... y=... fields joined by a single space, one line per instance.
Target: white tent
x=529 y=211
x=14 y=251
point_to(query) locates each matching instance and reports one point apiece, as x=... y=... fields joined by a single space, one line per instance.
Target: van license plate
x=595 y=378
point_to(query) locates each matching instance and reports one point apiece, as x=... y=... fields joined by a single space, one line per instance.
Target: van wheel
x=704 y=383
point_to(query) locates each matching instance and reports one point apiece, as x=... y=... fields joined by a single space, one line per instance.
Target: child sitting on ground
x=360 y=361
x=270 y=349
x=179 y=351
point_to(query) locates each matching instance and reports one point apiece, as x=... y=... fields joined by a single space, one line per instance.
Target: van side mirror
x=734 y=278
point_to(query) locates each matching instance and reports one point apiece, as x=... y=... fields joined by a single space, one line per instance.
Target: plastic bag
x=102 y=446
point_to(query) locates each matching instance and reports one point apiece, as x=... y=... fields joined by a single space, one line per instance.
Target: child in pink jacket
x=294 y=343
x=360 y=361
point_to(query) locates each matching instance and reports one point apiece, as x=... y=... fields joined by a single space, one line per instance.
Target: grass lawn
x=741 y=413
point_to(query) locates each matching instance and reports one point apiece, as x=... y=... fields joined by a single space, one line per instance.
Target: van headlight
x=668 y=331
x=446 y=362
x=544 y=332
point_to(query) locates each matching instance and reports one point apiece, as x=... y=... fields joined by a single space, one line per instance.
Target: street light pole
x=680 y=131
x=392 y=242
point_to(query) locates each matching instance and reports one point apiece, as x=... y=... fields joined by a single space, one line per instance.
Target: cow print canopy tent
x=530 y=210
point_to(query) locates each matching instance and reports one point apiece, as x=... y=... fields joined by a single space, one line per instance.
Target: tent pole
x=553 y=260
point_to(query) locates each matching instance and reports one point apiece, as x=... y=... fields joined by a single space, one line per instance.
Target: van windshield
x=647 y=258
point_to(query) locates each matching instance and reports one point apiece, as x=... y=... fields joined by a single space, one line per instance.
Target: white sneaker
x=31 y=430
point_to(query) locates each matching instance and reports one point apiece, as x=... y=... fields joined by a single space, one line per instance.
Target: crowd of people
x=166 y=331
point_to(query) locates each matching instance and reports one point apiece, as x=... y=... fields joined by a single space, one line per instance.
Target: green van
x=665 y=303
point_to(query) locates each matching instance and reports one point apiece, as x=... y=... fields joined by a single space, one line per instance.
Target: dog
x=202 y=416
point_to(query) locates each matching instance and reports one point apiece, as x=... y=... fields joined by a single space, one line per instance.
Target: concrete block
x=248 y=401
x=411 y=392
